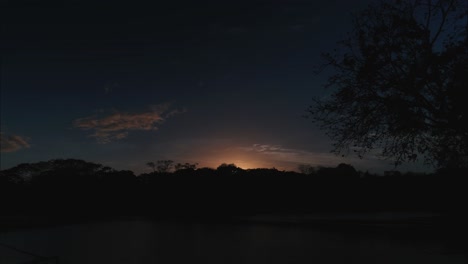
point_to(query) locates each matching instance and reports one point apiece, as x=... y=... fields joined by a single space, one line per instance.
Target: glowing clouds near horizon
x=231 y=155
x=117 y=125
x=12 y=143
x=291 y=158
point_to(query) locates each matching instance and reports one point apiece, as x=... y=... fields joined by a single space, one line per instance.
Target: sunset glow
x=128 y=87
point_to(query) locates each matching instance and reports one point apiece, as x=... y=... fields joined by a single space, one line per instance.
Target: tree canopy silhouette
x=400 y=83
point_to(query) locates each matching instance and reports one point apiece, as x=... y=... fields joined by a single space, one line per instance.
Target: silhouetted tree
x=347 y=170
x=151 y=165
x=67 y=174
x=228 y=169
x=27 y=171
x=164 y=166
x=306 y=169
x=205 y=172
x=185 y=166
x=401 y=82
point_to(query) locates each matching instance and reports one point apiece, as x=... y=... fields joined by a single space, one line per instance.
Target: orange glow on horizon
x=241 y=160
x=241 y=163
x=212 y=155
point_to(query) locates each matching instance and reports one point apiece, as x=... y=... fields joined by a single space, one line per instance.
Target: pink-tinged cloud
x=117 y=125
x=12 y=143
x=279 y=153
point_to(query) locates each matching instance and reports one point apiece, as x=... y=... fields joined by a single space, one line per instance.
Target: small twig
x=20 y=250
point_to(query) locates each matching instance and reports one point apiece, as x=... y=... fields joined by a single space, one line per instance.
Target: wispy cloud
x=295 y=156
x=12 y=143
x=117 y=125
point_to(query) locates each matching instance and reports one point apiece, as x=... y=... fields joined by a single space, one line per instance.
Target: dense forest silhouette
x=71 y=188
x=398 y=84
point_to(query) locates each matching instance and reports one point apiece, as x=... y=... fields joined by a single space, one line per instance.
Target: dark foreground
x=85 y=213
x=372 y=238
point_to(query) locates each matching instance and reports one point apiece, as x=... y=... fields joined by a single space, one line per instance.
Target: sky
x=123 y=83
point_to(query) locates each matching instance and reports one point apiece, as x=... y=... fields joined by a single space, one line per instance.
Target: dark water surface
x=142 y=241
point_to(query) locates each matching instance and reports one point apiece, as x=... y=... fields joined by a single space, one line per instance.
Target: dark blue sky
x=123 y=83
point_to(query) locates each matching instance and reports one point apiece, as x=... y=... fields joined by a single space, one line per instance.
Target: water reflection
x=127 y=242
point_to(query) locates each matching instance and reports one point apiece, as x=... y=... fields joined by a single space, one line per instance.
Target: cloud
x=117 y=125
x=297 y=156
x=176 y=112
x=12 y=143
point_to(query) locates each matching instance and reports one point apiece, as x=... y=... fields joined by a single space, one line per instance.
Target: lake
x=144 y=241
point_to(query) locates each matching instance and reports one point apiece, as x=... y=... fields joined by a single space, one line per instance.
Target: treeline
x=78 y=188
